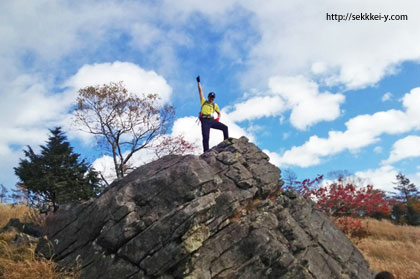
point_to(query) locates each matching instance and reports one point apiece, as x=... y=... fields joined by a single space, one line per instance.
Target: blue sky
x=316 y=95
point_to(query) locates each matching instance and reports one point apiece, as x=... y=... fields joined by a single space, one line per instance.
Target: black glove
x=198 y=79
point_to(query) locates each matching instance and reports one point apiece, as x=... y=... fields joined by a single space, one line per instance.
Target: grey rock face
x=220 y=215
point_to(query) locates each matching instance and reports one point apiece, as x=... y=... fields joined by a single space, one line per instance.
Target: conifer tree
x=406 y=189
x=57 y=175
x=406 y=208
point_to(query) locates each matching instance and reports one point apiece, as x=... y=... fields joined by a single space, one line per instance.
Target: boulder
x=23 y=239
x=31 y=229
x=218 y=215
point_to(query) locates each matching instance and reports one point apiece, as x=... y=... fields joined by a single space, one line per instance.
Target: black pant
x=206 y=124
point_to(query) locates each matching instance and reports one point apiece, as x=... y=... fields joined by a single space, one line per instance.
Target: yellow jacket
x=208 y=108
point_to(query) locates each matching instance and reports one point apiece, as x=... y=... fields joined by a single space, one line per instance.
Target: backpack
x=200 y=115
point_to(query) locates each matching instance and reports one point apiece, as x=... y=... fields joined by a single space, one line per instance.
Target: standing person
x=208 y=107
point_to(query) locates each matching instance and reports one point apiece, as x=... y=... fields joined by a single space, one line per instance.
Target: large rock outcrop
x=220 y=215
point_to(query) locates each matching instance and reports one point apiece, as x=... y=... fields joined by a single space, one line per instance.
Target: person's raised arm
x=199 y=88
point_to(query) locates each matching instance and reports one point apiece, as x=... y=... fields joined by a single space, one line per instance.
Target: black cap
x=211 y=95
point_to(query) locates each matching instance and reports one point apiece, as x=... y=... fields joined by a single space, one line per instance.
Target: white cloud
x=74 y=131
x=416 y=179
x=40 y=36
x=190 y=129
x=301 y=42
x=275 y=158
x=49 y=30
x=386 y=97
x=384 y=177
x=287 y=47
x=319 y=68
x=9 y=160
x=257 y=129
x=297 y=38
x=27 y=111
x=145 y=35
x=381 y=178
x=308 y=105
x=105 y=163
x=52 y=30
x=362 y=131
x=181 y=10
x=257 y=107
x=25 y=100
x=378 y=149
x=136 y=79
x=404 y=148
x=28 y=108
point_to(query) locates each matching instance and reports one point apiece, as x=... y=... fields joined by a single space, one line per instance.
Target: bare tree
x=20 y=195
x=3 y=193
x=339 y=175
x=122 y=122
x=169 y=145
x=289 y=178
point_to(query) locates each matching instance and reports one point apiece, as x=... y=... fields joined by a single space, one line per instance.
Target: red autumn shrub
x=352 y=227
x=345 y=199
x=345 y=202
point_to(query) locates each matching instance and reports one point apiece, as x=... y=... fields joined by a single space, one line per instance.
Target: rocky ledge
x=218 y=215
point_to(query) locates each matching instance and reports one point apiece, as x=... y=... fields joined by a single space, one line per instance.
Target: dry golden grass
x=20 y=261
x=392 y=248
x=8 y=212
